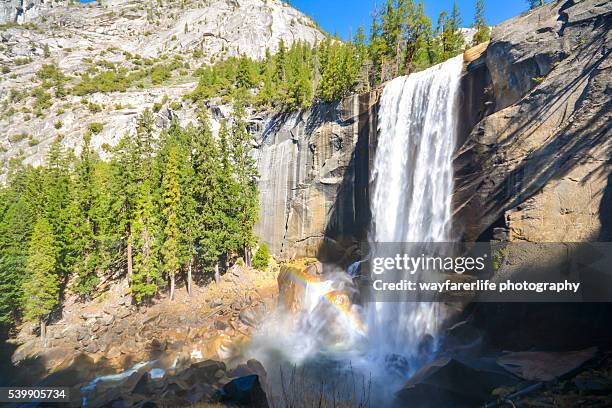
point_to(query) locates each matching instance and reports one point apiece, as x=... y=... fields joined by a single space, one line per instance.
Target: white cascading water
x=412 y=189
x=411 y=202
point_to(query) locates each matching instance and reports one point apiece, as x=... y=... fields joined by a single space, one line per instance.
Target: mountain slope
x=172 y=37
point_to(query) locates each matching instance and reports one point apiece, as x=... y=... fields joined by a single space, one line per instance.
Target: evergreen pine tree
x=261 y=260
x=83 y=224
x=209 y=193
x=453 y=40
x=246 y=176
x=483 y=33
x=146 y=276
x=172 y=206
x=416 y=33
x=15 y=229
x=57 y=192
x=41 y=289
x=299 y=92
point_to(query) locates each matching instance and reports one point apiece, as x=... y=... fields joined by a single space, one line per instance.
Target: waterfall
x=412 y=182
x=411 y=198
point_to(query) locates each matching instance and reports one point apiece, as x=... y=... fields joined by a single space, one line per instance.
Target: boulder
x=292 y=281
x=202 y=372
x=107 y=320
x=545 y=366
x=453 y=382
x=91 y=315
x=251 y=317
x=245 y=391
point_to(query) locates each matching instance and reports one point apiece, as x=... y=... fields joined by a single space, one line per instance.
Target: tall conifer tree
x=41 y=289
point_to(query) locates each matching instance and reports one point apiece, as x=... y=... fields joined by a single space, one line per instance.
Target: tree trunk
x=172 y=275
x=247 y=256
x=217 y=275
x=398 y=58
x=43 y=331
x=130 y=266
x=189 y=278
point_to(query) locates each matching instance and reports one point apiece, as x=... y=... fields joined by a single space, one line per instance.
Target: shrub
x=18 y=137
x=160 y=73
x=23 y=61
x=107 y=81
x=58 y=124
x=261 y=260
x=95 y=127
x=42 y=99
x=94 y=107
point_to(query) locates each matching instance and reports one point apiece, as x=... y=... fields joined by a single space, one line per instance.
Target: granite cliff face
x=19 y=11
x=537 y=168
x=314 y=178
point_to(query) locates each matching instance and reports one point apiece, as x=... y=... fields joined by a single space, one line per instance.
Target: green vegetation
x=179 y=205
x=498 y=258
x=483 y=32
x=41 y=287
x=261 y=260
x=402 y=40
x=95 y=127
x=23 y=60
x=18 y=137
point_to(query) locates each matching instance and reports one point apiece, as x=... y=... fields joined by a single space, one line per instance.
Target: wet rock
x=462 y=336
x=543 y=366
x=252 y=367
x=291 y=283
x=250 y=317
x=202 y=372
x=593 y=385
x=245 y=391
x=451 y=382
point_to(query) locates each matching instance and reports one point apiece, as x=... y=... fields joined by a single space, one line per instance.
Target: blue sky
x=344 y=16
